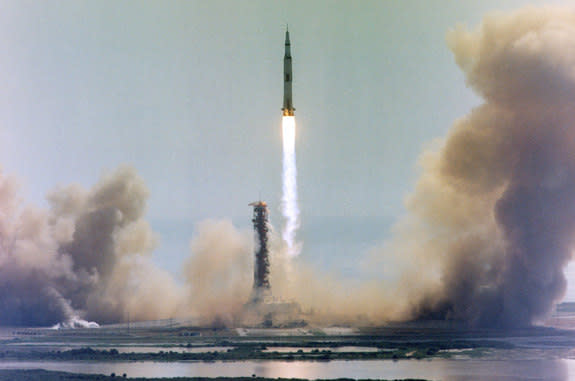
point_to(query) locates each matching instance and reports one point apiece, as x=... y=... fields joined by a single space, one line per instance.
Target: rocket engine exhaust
x=494 y=210
x=290 y=208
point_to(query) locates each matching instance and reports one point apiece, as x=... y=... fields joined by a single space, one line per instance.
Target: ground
x=171 y=340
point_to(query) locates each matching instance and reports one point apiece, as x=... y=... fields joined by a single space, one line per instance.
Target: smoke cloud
x=219 y=272
x=88 y=256
x=492 y=219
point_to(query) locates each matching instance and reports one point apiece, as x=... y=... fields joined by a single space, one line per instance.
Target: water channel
x=435 y=369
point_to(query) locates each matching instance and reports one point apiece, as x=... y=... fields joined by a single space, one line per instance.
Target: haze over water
x=447 y=370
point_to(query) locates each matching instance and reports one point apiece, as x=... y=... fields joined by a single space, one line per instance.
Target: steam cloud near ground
x=488 y=230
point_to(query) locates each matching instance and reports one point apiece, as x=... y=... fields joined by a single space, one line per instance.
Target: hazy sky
x=189 y=93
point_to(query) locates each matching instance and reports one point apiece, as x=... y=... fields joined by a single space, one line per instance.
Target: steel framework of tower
x=262 y=263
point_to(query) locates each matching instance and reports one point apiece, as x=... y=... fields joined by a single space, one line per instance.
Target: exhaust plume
x=290 y=209
x=493 y=215
x=85 y=257
x=219 y=271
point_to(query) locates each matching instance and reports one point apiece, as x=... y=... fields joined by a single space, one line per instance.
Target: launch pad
x=263 y=309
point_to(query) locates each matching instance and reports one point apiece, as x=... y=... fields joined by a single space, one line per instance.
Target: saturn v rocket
x=288 y=109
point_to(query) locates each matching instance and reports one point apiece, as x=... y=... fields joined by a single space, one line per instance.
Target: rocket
x=288 y=104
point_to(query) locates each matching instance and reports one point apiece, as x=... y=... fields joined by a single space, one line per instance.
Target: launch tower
x=262 y=264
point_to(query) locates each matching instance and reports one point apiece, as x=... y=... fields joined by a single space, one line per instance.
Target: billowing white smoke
x=72 y=319
x=76 y=322
x=290 y=208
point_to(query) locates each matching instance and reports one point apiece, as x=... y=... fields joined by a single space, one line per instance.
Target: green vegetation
x=257 y=352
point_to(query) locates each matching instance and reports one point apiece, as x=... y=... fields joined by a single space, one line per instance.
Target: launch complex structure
x=262 y=308
x=261 y=290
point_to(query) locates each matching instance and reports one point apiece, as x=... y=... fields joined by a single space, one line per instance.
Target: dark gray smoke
x=494 y=212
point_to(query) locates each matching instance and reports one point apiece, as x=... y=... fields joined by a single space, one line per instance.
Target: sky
x=189 y=93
